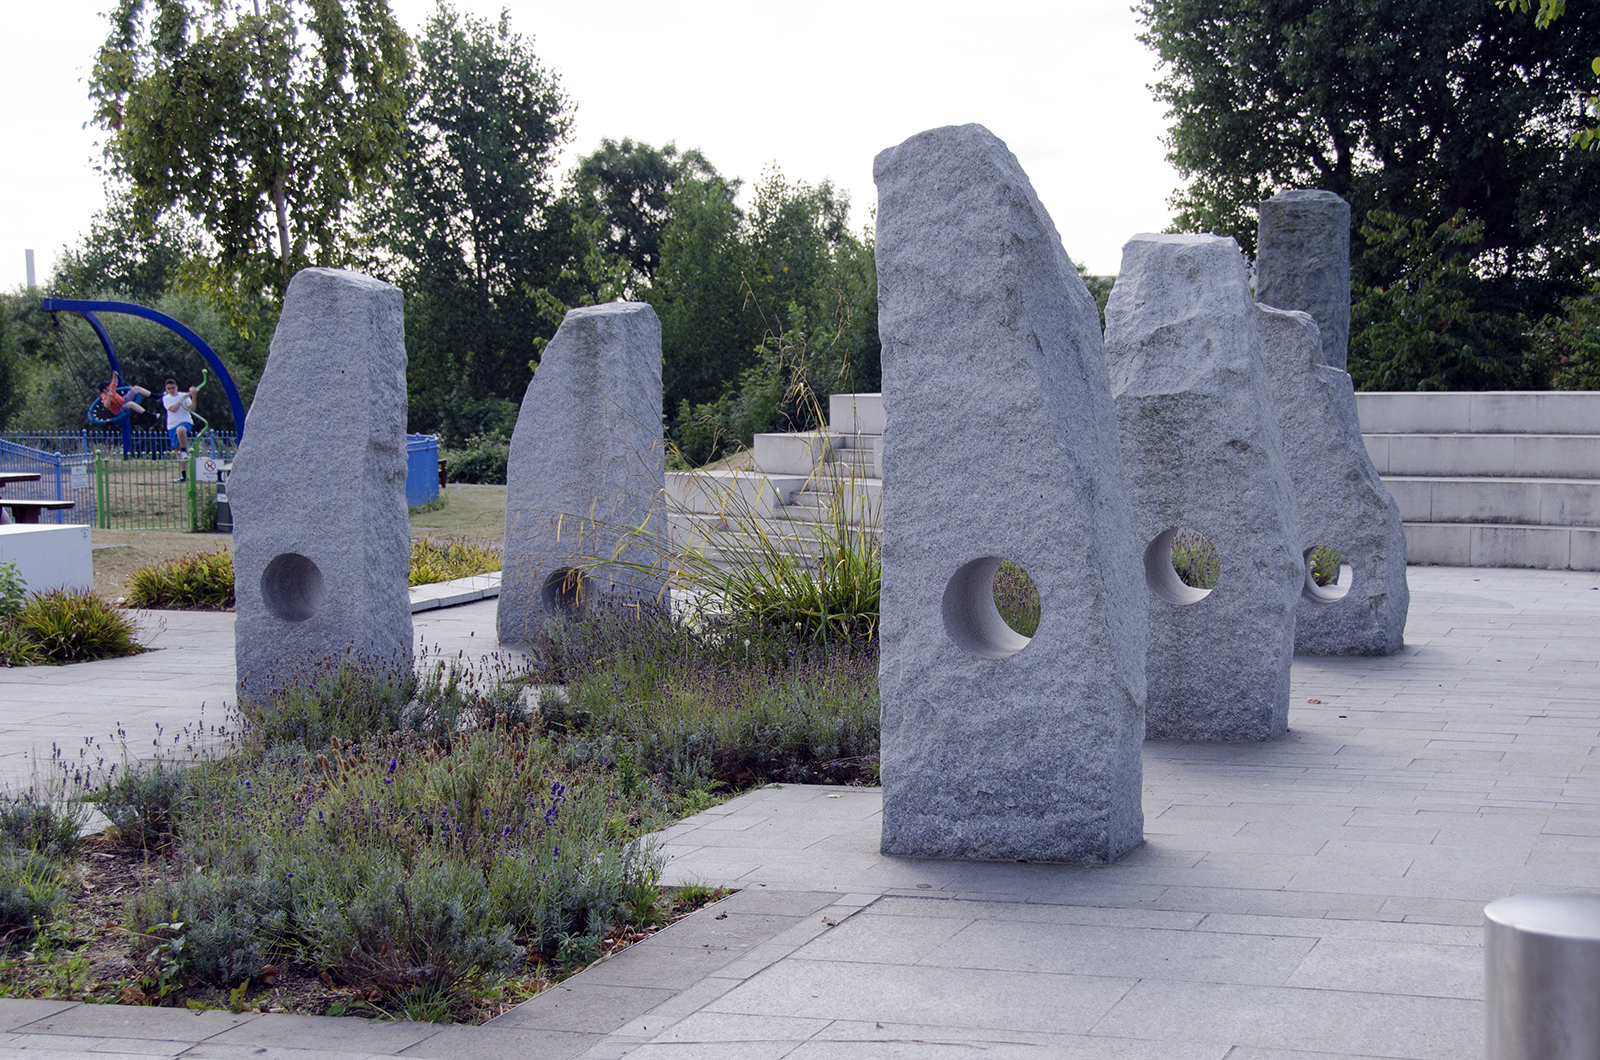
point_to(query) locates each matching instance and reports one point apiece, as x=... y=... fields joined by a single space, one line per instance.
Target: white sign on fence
x=78 y=477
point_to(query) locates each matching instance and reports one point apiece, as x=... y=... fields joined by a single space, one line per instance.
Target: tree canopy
x=1435 y=111
x=262 y=124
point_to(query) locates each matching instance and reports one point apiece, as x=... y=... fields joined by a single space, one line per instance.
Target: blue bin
x=422 y=469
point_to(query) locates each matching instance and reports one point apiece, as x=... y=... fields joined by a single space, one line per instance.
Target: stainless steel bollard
x=1542 y=977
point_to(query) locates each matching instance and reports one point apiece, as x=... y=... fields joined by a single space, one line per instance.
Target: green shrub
x=483 y=461
x=143 y=804
x=441 y=561
x=16 y=649
x=77 y=626
x=13 y=590
x=1195 y=560
x=30 y=890
x=30 y=823
x=200 y=581
x=1016 y=598
x=1325 y=563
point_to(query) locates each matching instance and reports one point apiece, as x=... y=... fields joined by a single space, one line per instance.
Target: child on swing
x=114 y=401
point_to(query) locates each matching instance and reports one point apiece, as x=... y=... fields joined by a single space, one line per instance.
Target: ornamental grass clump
x=200 y=581
x=66 y=626
x=450 y=558
x=734 y=705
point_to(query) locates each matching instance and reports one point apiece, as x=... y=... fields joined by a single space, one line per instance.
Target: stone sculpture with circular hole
x=1201 y=445
x=1000 y=441
x=1338 y=491
x=585 y=474
x=322 y=543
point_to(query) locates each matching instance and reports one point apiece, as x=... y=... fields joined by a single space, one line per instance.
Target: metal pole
x=1542 y=977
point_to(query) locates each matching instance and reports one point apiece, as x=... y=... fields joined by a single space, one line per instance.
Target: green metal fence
x=154 y=493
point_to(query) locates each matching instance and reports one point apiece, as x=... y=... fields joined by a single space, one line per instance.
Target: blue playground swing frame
x=87 y=309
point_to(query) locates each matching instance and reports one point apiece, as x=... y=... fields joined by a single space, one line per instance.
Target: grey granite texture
x=587 y=463
x=1000 y=443
x=1343 y=503
x=322 y=544
x=1201 y=443
x=1303 y=262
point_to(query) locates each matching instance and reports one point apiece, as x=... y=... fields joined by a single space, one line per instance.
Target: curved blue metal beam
x=88 y=308
x=116 y=366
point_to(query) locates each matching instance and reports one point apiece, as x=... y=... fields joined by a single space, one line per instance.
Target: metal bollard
x=1542 y=977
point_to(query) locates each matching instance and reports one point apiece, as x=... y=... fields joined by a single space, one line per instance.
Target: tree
x=473 y=224
x=264 y=125
x=629 y=187
x=1549 y=11
x=121 y=257
x=1424 y=109
x=1423 y=329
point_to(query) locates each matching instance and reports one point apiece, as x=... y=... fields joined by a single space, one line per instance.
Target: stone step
x=735 y=494
x=1569 y=456
x=856 y=413
x=1483 y=412
x=1515 y=501
x=727 y=543
x=1503 y=545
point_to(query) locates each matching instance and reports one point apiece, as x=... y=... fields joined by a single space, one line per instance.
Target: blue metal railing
x=62 y=477
x=150 y=442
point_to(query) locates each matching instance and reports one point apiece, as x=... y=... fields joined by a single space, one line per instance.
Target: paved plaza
x=1316 y=897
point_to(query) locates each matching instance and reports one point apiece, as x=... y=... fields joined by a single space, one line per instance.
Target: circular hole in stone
x=971 y=617
x=1182 y=566
x=564 y=590
x=1328 y=576
x=291 y=587
x=1016 y=598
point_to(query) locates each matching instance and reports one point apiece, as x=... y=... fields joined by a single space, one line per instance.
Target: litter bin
x=224 y=509
x=1542 y=977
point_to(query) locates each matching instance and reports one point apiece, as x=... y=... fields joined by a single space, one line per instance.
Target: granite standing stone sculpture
x=1343 y=503
x=1303 y=262
x=1000 y=443
x=322 y=543
x=587 y=464
x=1200 y=440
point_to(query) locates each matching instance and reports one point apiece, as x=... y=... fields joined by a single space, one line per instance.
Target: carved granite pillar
x=1303 y=262
x=1343 y=503
x=1000 y=443
x=587 y=464
x=322 y=544
x=1201 y=443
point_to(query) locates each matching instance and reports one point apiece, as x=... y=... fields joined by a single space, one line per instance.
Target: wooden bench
x=28 y=511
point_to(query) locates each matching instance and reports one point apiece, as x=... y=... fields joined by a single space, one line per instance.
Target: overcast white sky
x=818 y=88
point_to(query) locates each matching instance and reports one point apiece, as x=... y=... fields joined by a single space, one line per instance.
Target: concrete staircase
x=802 y=487
x=1493 y=479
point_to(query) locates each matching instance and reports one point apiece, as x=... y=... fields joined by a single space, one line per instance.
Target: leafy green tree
x=263 y=124
x=629 y=187
x=1426 y=109
x=124 y=258
x=1548 y=12
x=1422 y=330
x=1570 y=342
x=765 y=315
x=472 y=224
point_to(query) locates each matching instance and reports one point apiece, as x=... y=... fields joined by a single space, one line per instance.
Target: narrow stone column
x=1201 y=442
x=1303 y=262
x=587 y=465
x=321 y=542
x=1343 y=503
x=1000 y=443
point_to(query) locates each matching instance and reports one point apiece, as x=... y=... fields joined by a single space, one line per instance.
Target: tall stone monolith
x=1000 y=443
x=585 y=475
x=1303 y=262
x=321 y=541
x=1201 y=443
x=1343 y=503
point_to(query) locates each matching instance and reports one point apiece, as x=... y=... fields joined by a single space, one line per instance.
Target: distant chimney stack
x=29 y=254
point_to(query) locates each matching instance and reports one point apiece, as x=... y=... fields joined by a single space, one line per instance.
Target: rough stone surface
x=1000 y=443
x=1343 y=503
x=587 y=461
x=321 y=540
x=1202 y=447
x=1303 y=262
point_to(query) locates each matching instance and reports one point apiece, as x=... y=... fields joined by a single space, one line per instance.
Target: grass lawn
x=474 y=512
